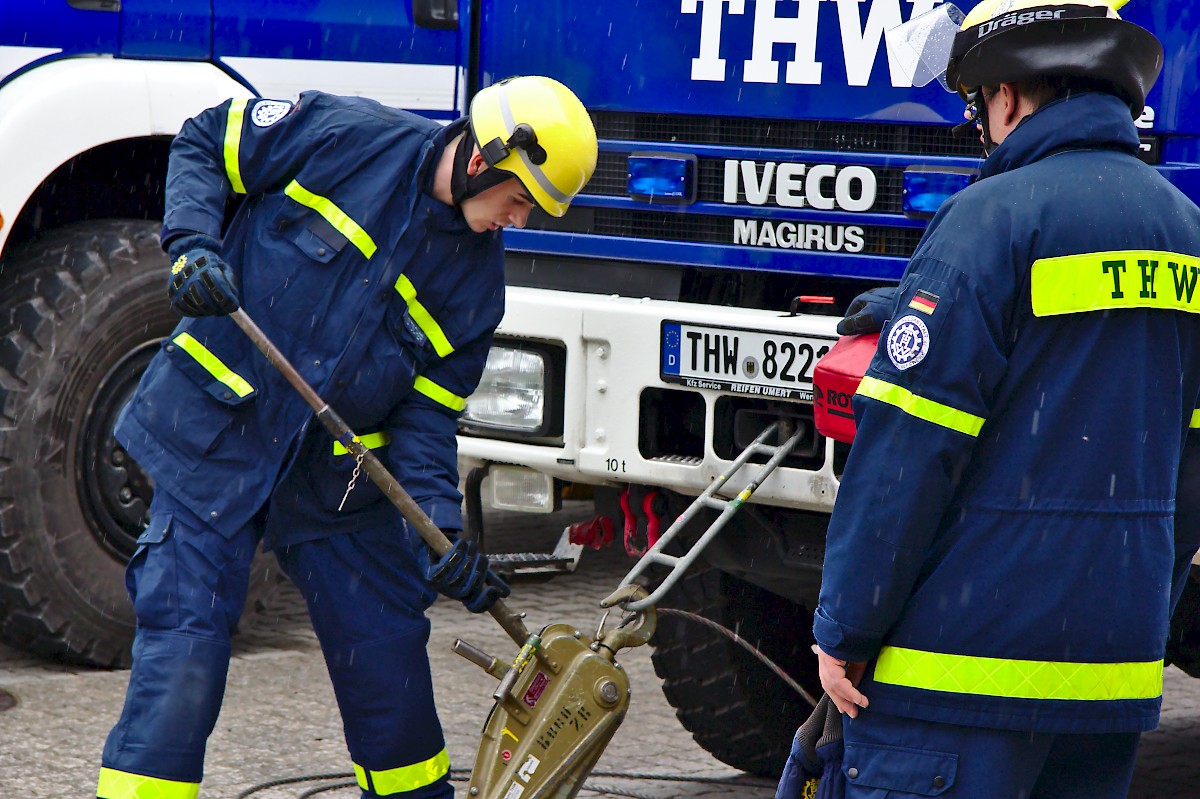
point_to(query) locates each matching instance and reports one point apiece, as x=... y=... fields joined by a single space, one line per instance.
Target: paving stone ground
x=279 y=719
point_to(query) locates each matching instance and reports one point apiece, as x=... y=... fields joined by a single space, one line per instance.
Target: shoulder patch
x=908 y=342
x=268 y=112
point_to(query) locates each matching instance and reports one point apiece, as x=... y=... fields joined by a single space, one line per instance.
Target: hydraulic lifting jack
x=558 y=704
x=562 y=698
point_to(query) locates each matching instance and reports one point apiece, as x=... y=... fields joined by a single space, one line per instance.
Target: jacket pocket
x=408 y=336
x=331 y=471
x=902 y=771
x=208 y=371
x=415 y=325
x=188 y=397
x=316 y=237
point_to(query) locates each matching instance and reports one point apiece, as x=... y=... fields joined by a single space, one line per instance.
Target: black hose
x=459 y=774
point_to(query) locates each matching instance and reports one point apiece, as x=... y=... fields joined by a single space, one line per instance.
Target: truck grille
x=669 y=223
x=709 y=229
x=612 y=172
x=792 y=134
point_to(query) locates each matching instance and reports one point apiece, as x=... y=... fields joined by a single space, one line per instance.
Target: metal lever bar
x=679 y=565
x=429 y=532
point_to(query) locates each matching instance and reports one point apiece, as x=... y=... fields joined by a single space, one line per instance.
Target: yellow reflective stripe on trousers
x=422 y=317
x=1100 y=281
x=334 y=216
x=1195 y=419
x=1019 y=679
x=233 y=144
x=439 y=394
x=214 y=365
x=370 y=441
x=405 y=778
x=115 y=784
x=922 y=408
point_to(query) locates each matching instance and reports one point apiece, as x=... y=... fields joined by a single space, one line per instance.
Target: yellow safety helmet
x=1003 y=41
x=536 y=129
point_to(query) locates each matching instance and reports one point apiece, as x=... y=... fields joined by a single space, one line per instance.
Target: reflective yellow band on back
x=1020 y=679
x=405 y=778
x=233 y=144
x=439 y=394
x=1195 y=418
x=214 y=365
x=370 y=441
x=922 y=408
x=334 y=216
x=421 y=316
x=115 y=784
x=1101 y=281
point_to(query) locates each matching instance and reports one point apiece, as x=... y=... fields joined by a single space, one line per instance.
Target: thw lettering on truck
x=860 y=40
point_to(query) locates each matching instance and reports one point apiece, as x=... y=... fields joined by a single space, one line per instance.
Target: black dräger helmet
x=1004 y=41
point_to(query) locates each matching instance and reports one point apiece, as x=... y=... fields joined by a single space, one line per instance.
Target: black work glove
x=869 y=311
x=201 y=283
x=463 y=574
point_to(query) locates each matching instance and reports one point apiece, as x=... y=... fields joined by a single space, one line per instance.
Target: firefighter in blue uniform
x=1002 y=555
x=367 y=248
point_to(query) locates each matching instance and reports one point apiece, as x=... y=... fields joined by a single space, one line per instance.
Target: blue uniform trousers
x=367 y=602
x=889 y=757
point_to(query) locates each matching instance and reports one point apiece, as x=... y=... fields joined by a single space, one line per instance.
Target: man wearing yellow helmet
x=366 y=246
x=552 y=159
x=1003 y=556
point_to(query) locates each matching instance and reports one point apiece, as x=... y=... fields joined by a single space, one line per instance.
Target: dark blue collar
x=444 y=217
x=1088 y=121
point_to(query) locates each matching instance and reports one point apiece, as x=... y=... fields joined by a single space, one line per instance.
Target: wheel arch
x=107 y=120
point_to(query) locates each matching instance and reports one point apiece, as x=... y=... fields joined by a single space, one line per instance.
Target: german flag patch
x=924 y=301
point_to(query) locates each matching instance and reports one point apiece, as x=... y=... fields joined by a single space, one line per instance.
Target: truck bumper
x=613 y=348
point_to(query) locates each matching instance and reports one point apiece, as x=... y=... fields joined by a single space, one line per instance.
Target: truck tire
x=734 y=706
x=82 y=311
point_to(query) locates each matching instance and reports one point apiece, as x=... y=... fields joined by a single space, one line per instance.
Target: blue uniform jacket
x=380 y=296
x=1002 y=545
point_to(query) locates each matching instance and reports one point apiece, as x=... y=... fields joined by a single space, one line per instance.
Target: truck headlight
x=512 y=395
x=522 y=489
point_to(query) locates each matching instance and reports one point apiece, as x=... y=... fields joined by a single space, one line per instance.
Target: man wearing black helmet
x=1002 y=558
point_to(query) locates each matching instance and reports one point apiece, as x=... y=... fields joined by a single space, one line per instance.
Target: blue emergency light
x=926 y=188
x=662 y=177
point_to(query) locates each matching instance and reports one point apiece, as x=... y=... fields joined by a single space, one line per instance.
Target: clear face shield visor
x=922 y=48
x=922 y=45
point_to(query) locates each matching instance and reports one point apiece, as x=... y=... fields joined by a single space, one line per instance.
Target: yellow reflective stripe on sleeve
x=115 y=784
x=370 y=441
x=439 y=394
x=233 y=144
x=1020 y=679
x=213 y=365
x=930 y=411
x=1195 y=418
x=417 y=311
x=334 y=215
x=405 y=778
x=1101 y=281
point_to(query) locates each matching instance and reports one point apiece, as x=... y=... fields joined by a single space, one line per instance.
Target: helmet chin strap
x=464 y=186
x=979 y=116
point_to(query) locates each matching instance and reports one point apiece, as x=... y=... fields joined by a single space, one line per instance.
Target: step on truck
x=761 y=163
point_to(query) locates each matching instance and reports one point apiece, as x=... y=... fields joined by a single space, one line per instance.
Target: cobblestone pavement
x=279 y=720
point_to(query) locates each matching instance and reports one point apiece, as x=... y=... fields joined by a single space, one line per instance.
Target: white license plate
x=751 y=362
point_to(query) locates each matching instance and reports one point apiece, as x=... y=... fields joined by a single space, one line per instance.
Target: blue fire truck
x=761 y=162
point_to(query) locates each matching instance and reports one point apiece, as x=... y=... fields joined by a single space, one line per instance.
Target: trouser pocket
x=152 y=577
x=875 y=771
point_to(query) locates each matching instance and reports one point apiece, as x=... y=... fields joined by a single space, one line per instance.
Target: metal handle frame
x=509 y=619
